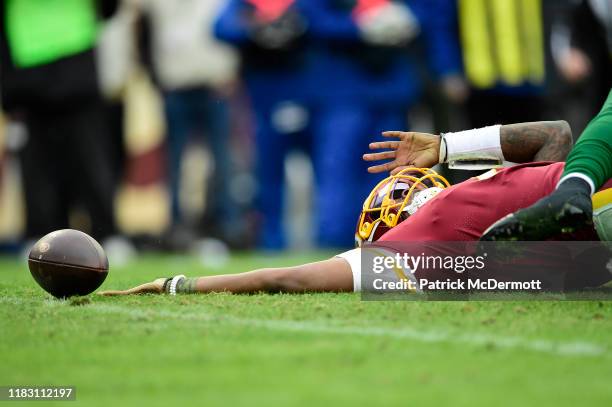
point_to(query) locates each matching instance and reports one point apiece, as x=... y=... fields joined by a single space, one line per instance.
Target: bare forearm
x=328 y=275
x=520 y=143
x=243 y=283
x=537 y=141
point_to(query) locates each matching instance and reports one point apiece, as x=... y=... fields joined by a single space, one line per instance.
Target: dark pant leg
x=177 y=121
x=115 y=116
x=270 y=150
x=88 y=152
x=42 y=170
x=341 y=135
x=221 y=209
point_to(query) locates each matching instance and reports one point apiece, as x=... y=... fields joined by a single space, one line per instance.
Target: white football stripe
x=337 y=327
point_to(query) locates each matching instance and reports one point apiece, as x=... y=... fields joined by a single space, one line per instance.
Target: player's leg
x=569 y=207
x=332 y=275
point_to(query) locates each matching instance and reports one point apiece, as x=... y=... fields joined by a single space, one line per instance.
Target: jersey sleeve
x=592 y=154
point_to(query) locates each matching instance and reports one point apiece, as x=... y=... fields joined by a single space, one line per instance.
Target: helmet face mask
x=394 y=199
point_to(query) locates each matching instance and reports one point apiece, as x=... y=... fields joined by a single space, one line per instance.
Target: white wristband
x=476 y=149
x=442 y=153
x=173 y=283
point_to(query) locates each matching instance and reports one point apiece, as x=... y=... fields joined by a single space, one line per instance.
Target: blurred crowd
x=167 y=124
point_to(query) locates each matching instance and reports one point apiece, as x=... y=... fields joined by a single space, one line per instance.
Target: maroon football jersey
x=464 y=211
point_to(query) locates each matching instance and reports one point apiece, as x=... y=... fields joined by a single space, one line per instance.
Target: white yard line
x=337 y=327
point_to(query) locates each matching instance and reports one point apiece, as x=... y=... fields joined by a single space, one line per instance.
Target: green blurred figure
x=49 y=81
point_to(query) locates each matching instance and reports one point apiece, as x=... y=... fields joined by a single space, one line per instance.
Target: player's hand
x=419 y=150
x=155 y=287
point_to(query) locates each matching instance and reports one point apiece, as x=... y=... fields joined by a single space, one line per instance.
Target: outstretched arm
x=521 y=142
x=332 y=275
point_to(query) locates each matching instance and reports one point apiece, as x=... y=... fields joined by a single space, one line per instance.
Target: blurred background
x=202 y=126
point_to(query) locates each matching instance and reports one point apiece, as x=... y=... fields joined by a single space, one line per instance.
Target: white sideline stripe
x=335 y=327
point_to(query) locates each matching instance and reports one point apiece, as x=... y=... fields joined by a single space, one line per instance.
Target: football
x=68 y=262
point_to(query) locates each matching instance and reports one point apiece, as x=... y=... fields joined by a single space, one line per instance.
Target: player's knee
x=284 y=280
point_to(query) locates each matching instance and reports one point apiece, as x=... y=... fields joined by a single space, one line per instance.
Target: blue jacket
x=270 y=75
x=348 y=68
x=332 y=63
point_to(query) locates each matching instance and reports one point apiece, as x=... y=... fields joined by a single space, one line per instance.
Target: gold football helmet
x=394 y=199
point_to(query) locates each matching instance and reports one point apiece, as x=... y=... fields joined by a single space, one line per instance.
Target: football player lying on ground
x=588 y=167
x=416 y=204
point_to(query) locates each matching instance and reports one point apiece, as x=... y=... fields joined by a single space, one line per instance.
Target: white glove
x=390 y=25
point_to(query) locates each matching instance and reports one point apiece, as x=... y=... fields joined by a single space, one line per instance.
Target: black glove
x=568 y=209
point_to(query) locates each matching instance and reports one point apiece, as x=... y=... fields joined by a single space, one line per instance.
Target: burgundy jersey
x=464 y=211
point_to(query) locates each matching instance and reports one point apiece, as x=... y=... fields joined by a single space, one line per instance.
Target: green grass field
x=292 y=350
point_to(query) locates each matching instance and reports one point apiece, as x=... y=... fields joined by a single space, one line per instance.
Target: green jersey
x=42 y=31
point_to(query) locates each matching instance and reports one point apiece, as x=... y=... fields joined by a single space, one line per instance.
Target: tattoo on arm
x=537 y=141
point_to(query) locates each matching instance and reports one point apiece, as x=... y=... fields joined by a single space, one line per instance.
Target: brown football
x=68 y=262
